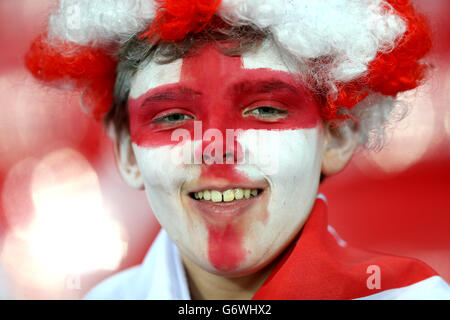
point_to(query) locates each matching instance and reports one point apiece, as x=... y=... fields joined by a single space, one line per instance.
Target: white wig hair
x=351 y=32
x=99 y=22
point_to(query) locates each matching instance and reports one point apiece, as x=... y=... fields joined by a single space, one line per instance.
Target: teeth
x=226 y=196
x=238 y=193
x=216 y=196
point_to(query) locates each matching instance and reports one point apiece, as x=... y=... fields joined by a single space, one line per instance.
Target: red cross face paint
x=228 y=218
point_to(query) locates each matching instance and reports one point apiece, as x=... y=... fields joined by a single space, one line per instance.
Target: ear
x=126 y=160
x=340 y=145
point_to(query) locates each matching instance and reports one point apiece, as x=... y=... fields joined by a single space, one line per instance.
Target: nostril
x=228 y=155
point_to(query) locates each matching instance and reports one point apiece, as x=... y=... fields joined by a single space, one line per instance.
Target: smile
x=226 y=201
x=228 y=195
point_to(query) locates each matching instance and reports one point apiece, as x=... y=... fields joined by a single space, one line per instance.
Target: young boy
x=229 y=113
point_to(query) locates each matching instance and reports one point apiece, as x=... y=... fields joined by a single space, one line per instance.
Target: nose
x=220 y=150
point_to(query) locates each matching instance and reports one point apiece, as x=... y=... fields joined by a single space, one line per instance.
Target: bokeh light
x=407 y=140
x=70 y=232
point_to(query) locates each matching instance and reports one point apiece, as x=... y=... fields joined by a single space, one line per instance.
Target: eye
x=267 y=113
x=173 y=118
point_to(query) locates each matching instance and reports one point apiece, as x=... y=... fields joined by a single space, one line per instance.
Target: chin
x=251 y=266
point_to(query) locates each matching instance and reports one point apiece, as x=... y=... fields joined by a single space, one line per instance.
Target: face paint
x=217 y=90
x=222 y=92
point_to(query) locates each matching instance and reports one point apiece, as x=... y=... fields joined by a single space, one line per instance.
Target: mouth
x=229 y=195
x=225 y=202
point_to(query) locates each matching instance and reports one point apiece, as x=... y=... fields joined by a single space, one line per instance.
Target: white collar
x=164 y=272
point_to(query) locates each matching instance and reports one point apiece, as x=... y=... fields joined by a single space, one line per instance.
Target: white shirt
x=161 y=276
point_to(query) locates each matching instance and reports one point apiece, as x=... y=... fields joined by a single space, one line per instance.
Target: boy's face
x=259 y=187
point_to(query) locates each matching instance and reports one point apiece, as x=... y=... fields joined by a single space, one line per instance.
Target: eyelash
x=279 y=112
x=274 y=116
x=165 y=118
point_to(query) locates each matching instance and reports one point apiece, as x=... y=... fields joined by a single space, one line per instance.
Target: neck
x=204 y=285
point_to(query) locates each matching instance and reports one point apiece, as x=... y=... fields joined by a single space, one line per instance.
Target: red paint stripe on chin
x=225 y=249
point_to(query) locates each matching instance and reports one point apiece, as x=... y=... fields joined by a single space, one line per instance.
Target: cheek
x=156 y=167
x=290 y=160
x=277 y=155
x=164 y=169
x=164 y=174
x=299 y=159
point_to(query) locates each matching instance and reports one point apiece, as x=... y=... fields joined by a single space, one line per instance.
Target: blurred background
x=67 y=220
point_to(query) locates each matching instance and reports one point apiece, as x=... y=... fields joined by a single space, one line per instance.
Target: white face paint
x=293 y=187
x=246 y=235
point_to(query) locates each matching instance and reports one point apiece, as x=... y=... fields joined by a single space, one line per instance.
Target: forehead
x=153 y=75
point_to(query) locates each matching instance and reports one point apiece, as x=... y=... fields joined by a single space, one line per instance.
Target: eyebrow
x=169 y=94
x=177 y=92
x=263 y=86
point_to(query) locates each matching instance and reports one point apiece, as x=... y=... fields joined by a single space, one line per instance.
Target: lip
x=227 y=187
x=224 y=210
